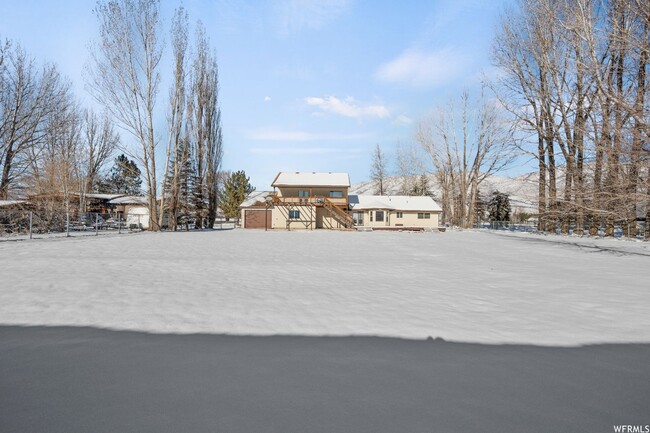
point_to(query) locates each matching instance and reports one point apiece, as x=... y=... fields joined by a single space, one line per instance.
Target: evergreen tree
x=480 y=208
x=421 y=186
x=124 y=177
x=499 y=207
x=180 y=182
x=234 y=192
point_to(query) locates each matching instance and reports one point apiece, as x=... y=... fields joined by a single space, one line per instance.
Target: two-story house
x=310 y=200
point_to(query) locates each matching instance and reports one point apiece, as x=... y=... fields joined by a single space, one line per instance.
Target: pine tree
x=480 y=208
x=234 y=192
x=124 y=177
x=181 y=183
x=421 y=186
x=499 y=207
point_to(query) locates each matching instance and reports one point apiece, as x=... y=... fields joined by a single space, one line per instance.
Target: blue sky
x=305 y=85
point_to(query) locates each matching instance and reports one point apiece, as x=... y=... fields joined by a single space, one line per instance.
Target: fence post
x=67 y=224
x=31 y=214
x=119 y=225
x=96 y=224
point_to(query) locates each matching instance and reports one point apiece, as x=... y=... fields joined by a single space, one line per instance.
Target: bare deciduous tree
x=205 y=123
x=124 y=77
x=27 y=97
x=379 y=170
x=54 y=161
x=575 y=73
x=465 y=147
x=177 y=152
x=99 y=140
x=409 y=168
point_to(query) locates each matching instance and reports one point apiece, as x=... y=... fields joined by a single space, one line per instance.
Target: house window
x=400 y=215
x=357 y=218
x=336 y=194
x=303 y=195
x=424 y=215
x=371 y=214
x=294 y=214
x=379 y=215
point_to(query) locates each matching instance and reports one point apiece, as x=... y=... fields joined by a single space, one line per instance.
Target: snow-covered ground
x=461 y=286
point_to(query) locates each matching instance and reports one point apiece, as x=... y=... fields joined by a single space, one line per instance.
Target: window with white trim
x=379 y=216
x=294 y=214
x=400 y=215
x=424 y=215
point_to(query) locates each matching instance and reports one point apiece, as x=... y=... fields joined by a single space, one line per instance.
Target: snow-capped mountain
x=523 y=190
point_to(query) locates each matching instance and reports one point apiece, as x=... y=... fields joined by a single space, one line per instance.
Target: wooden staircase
x=340 y=215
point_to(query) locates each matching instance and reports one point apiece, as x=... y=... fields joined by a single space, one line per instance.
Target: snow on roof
x=254 y=197
x=393 y=202
x=8 y=203
x=129 y=199
x=285 y=178
x=104 y=196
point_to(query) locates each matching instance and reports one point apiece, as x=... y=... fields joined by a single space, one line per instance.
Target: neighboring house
x=74 y=201
x=98 y=203
x=13 y=204
x=123 y=204
x=304 y=200
x=394 y=211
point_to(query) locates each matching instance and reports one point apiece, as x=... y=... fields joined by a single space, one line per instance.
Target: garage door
x=256 y=219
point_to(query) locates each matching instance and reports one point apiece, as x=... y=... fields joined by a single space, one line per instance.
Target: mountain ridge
x=522 y=189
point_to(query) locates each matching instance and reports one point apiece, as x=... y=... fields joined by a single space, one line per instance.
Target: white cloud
x=278 y=135
x=267 y=98
x=419 y=69
x=347 y=107
x=296 y=15
x=402 y=120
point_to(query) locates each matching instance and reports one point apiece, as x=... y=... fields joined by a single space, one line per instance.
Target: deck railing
x=334 y=205
x=317 y=201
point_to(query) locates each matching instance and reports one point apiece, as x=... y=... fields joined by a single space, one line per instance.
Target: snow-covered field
x=461 y=286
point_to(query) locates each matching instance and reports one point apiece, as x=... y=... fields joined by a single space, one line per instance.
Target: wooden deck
x=314 y=201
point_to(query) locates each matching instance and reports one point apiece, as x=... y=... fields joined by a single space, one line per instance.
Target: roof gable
x=286 y=178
